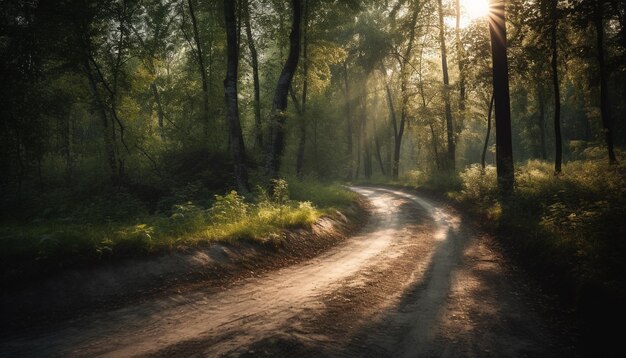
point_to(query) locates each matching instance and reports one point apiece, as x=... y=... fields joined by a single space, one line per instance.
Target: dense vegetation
x=123 y=119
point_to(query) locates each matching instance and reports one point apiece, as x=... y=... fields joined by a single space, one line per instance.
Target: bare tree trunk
x=484 y=154
x=237 y=147
x=504 y=145
x=305 y=75
x=202 y=68
x=605 y=109
x=254 y=57
x=446 y=92
x=279 y=106
x=558 y=159
x=348 y=108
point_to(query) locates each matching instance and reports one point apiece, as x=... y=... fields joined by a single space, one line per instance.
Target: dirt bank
x=78 y=291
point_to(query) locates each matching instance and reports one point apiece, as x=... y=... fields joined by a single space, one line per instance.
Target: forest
x=133 y=128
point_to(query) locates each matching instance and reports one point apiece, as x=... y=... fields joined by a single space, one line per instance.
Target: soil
x=418 y=280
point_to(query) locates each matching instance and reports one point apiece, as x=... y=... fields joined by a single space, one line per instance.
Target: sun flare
x=474 y=9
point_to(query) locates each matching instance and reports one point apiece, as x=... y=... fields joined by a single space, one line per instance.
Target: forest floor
x=419 y=279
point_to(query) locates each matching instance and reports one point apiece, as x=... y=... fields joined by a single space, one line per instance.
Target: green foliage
x=478 y=184
x=228 y=208
x=570 y=225
x=54 y=243
x=322 y=195
x=280 y=191
x=439 y=180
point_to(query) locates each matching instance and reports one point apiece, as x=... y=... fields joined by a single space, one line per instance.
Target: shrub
x=280 y=191
x=228 y=208
x=478 y=184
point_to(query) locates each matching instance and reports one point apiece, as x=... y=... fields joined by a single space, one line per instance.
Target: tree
x=303 y=105
x=461 y=62
x=605 y=109
x=276 y=136
x=446 y=91
x=555 y=83
x=237 y=148
x=504 y=146
x=349 y=120
x=487 y=135
x=254 y=59
x=404 y=61
x=201 y=68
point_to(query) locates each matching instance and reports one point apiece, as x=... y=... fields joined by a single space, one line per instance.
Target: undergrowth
x=569 y=228
x=96 y=235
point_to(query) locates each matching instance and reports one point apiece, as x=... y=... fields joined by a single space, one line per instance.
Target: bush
x=280 y=191
x=228 y=208
x=478 y=184
x=570 y=227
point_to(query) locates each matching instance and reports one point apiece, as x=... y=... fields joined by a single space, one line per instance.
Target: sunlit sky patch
x=470 y=11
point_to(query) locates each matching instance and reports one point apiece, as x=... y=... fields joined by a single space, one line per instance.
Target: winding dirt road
x=415 y=281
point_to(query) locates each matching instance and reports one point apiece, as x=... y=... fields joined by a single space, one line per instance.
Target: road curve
x=415 y=281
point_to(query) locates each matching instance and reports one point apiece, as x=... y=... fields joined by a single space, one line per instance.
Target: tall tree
x=349 y=124
x=405 y=71
x=554 y=23
x=541 y=102
x=237 y=148
x=504 y=145
x=446 y=91
x=305 y=85
x=483 y=156
x=605 y=109
x=254 y=59
x=201 y=68
x=278 y=120
x=461 y=62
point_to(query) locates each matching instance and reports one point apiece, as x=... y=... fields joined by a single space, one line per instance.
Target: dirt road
x=415 y=281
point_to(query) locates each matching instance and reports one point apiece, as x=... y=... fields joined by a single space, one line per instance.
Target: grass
x=55 y=243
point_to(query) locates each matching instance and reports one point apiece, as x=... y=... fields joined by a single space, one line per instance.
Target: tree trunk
x=230 y=93
x=276 y=135
x=460 y=53
x=434 y=142
x=484 y=154
x=202 y=68
x=555 y=83
x=404 y=79
x=541 y=122
x=605 y=109
x=379 y=157
x=397 y=136
x=254 y=57
x=504 y=146
x=365 y=137
x=446 y=92
x=348 y=109
x=305 y=75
